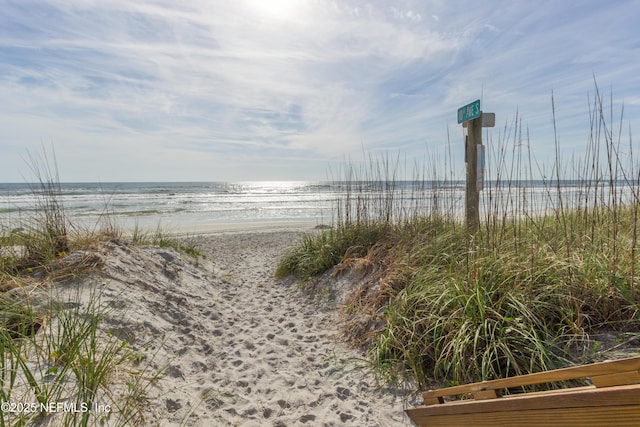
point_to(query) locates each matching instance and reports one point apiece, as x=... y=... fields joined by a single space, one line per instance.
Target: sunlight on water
x=179 y=204
x=149 y=204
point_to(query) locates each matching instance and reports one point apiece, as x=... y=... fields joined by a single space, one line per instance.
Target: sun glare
x=280 y=9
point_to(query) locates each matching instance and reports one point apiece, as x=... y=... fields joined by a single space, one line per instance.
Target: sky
x=219 y=90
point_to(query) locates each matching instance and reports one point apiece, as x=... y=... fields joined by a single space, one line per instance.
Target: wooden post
x=474 y=138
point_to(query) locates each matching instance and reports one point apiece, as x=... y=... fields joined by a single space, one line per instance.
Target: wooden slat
x=619 y=378
x=622 y=416
x=583 y=398
x=487 y=394
x=565 y=374
x=556 y=391
x=434 y=401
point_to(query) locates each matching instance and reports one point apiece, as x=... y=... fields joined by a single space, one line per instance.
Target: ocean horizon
x=184 y=204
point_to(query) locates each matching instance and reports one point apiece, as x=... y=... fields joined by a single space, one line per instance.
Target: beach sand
x=236 y=347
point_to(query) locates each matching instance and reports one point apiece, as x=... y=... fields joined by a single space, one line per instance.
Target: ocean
x=176 y=204
x=194 y=204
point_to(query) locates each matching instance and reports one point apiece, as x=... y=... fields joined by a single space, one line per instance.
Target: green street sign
x=469 y=112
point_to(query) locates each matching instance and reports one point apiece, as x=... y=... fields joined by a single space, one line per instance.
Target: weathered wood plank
x=622 y=416
x=619 y=378
x=565 y=374
x=582 y=398
x=487 y=394
x=434 y=401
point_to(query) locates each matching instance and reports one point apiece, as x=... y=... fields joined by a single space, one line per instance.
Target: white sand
x=237 y=347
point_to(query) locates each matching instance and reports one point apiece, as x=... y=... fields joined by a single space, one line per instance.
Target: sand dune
x=236 y=347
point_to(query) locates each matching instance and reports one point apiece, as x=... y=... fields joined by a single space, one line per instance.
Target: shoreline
x=243 y=227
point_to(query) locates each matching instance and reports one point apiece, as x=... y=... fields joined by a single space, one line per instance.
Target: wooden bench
x=612 y=399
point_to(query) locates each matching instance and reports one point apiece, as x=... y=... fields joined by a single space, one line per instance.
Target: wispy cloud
x=211 y=89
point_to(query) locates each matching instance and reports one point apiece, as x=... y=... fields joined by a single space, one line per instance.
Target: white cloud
x=409 y=14
x=318 y=81
x=414 y=16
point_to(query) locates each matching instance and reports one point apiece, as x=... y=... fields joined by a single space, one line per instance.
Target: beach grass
x=56 y=357
x=526 y=293
x=55 y=348
x=164 y=239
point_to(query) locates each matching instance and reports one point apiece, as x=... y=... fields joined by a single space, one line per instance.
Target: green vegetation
x=39 y=240
x=58 y=354
x=163 y=239
x=524 y=294
x=55 y=348
x=316 y=254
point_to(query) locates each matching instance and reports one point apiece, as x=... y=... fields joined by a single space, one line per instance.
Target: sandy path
x=233 y=345
x=276 y=351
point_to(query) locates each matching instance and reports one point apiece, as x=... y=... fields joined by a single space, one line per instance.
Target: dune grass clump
x=58 y=359
x=317 y=254
x=460 y=313
x=489 y=313
x=39 y=240
x=552 y=264
x=56 y=352
x=163 y=239
x=47 y=233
